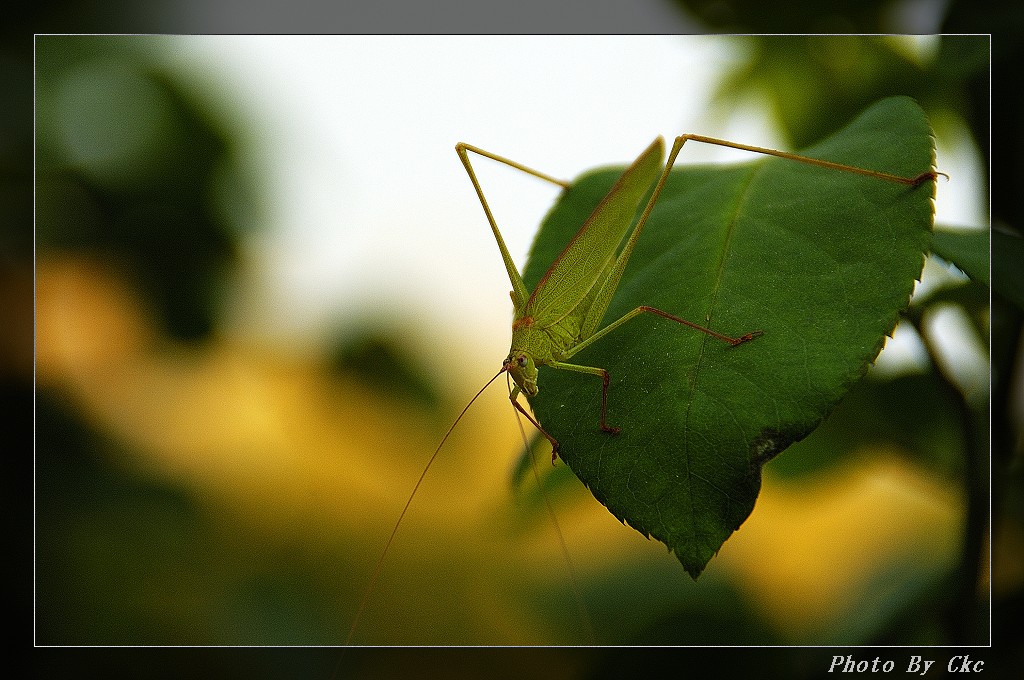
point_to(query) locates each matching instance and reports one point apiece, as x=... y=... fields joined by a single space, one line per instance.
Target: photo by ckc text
x=961 y=663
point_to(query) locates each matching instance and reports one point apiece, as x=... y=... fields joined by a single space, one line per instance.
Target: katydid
x=560 y=317
x=563 y=314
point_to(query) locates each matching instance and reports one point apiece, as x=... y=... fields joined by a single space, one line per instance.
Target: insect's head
x=522 y=369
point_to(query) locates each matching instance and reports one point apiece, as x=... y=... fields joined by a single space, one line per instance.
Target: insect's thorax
x=545 y=344
x=533 y=346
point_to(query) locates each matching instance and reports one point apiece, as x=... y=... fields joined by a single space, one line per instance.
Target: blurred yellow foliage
x=813 y=551
x=295 y=457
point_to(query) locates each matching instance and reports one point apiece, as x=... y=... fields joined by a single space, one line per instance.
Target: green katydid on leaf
x=712 y=315
x=820 y=260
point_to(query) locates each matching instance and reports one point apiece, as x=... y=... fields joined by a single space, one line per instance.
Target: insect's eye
x=521 y=360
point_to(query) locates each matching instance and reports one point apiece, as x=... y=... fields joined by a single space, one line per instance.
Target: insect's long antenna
x=573 y=579
x=391 y=538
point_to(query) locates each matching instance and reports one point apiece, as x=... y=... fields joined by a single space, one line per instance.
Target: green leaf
x=822 y=261
x=968 y=250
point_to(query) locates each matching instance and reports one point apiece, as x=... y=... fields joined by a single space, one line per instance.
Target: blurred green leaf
x=714 y=614
x=913 y=414
x=802 y=16
x=557 y=485
x=971 y=296
x=810 y=83
x=968 y=250
x=377 y=358
x=1008 y=266
x=807 y=83
x=821 y=261
x=130 y=167
x=120 y=559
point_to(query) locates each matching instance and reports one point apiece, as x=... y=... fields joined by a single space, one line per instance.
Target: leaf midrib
x=740 y=202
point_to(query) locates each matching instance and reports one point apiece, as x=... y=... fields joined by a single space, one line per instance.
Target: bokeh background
x=264 y=289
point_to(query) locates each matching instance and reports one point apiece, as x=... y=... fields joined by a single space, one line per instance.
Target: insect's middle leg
x=672 y=317
x=605 y=379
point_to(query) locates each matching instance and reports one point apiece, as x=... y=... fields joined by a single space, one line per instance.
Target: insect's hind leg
x=911 y=181
x=461 y=148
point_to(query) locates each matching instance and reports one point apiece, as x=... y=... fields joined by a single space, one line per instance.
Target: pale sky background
x=370 y=211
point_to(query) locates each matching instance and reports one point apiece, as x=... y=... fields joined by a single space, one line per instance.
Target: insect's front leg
x=519 y=407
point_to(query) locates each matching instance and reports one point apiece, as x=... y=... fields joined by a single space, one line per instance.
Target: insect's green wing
x=587 y=257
